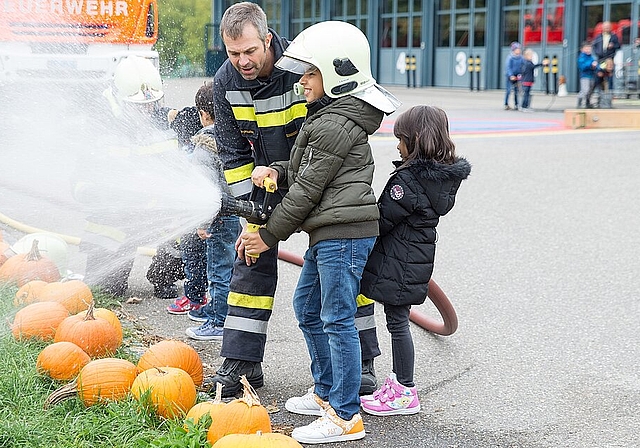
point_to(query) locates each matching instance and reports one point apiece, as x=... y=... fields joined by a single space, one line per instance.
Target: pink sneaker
x=182 y=305
x=391 y=399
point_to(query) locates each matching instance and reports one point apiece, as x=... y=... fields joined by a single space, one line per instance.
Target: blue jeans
x=509 y=87
x=325 y=306
x=526 y=97
x=221 y=254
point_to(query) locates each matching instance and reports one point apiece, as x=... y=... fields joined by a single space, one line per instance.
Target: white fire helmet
x=137 y=80
x=342 y=54
x=51 y=246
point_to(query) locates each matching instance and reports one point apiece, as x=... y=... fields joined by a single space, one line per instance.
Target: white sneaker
x=308 y=404
x=330 y=428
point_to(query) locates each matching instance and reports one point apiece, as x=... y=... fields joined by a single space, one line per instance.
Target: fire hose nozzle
x=250 y=210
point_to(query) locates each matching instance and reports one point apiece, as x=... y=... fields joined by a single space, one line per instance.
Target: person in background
x=221 y=234
x=604 y=46
x=329 y=196
x=258 y=117
x=421 y=189
x=528 y=78
x=513 y=71
x=587 y=67
x=130 y=134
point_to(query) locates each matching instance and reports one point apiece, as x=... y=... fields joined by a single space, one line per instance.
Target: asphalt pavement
x=538 y=257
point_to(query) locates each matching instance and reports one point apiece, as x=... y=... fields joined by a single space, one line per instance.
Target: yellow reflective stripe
x=249 y=301
x=362 y=300
x=154 y=148
x=235 y=175
x=270 y=119
x=108 y=231
x=246 y=113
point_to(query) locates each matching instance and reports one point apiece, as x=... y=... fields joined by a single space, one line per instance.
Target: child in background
x=528 y=78
x=587 y=66
x=513 y=70
x=208 y=253
x=222 y=234
x=422 y=188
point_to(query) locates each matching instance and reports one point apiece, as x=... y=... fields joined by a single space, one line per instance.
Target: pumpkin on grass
x=96 y=336
x=62 y=360
x=38 y=320
x=210 y=407
x=74 y=294
x=110 y=317
x=169 y=389
x=241 y=416
x=100 y=380
x=30 y=292
x=172 y=353
x=22 y=268
x=259 y=439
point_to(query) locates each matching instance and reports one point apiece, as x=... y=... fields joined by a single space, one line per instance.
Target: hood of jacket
x=439 y=181
x=363 y=114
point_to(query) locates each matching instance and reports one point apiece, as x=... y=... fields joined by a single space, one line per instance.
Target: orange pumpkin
x=170 y=390
x=29 y=292
x=241 y=416
x=206 y=407
x=268 y=440
x=96 y=336
x=22 y=268
x=62 y=360
x=99 y=380
x=110 y=317
x=38 y=320
x=74 y=294
x=172 y=353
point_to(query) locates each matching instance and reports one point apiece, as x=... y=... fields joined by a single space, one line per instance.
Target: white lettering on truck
x=67 y=7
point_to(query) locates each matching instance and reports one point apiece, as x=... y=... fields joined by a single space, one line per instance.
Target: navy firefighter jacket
x=257 y=121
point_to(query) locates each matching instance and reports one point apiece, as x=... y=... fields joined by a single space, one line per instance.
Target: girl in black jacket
x=422 y=188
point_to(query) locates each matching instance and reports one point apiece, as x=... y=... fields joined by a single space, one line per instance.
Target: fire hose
x=257 y=213
x=449 y=323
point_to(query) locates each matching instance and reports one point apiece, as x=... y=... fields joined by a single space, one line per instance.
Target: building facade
x=464 y=43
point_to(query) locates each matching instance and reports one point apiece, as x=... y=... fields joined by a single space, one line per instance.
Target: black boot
x=229 y=376
x=368 y=382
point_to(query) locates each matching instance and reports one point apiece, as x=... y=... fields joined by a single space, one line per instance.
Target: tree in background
x=181 y=43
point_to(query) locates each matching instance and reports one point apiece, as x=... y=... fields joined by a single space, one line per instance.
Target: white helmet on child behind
x=342 y=54
x=137 y=80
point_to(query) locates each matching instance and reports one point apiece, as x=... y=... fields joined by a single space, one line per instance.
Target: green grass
x=25 y=423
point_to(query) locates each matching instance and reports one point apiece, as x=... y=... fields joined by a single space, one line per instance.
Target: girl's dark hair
x=204 y=99
x=425 y=132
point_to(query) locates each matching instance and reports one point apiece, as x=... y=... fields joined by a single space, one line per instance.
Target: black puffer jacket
x=400 y=266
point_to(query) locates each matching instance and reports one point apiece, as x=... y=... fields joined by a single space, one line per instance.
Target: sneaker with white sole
x=308 y=404
x=330 y=428
x=182 y=305
x=205 y=332
x=392 y=399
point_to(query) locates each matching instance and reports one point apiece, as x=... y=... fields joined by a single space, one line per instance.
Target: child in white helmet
x=329 y=196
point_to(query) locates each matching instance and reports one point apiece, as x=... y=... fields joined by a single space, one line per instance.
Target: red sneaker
x=182 y=305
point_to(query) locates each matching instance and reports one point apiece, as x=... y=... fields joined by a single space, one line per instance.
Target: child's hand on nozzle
x=260 y=173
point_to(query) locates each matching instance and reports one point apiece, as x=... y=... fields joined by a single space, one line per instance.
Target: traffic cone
x=562 y=86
